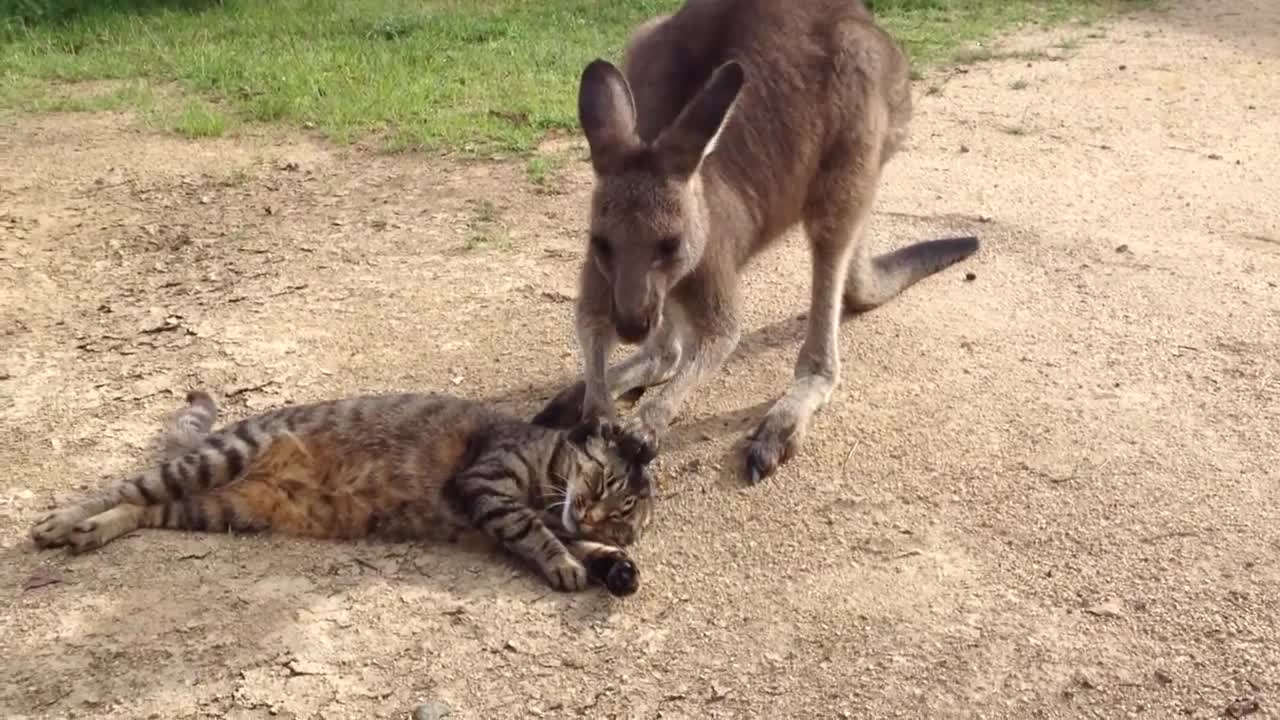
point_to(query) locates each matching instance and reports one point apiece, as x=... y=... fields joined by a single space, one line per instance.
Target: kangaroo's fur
x=730 y=122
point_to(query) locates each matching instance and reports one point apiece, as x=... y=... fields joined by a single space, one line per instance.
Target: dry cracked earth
x=1049 y=490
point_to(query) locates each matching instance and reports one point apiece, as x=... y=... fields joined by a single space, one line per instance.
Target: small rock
x=1124 y=67
x=304 y=667
x=964 y=149
x=1242 y=707
x=970 y=276
x=510 y=646
x=1107 y=609
x=433 y=710
x=985 y=218
x=1162 y=677
x=718 y=692
x=1084 y=679
x=1122 y=248
x=1054 y=472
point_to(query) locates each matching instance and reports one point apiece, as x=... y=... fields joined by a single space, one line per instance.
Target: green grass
x=479 y=76
x=197 y=119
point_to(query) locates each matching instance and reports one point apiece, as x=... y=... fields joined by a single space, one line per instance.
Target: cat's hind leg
x=96 y=531
x=54 y=528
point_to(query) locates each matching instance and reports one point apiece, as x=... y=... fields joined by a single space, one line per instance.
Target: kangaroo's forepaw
x=637 y=442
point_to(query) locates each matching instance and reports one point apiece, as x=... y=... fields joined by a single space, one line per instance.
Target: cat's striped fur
x=401 y=467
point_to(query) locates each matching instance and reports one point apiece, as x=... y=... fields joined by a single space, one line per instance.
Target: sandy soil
x=1048 y=491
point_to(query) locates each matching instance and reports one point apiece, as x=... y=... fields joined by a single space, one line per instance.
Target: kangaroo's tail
x=874 y=280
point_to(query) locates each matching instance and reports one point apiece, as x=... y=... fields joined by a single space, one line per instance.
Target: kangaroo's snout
x=632 y=329
x=636 y=307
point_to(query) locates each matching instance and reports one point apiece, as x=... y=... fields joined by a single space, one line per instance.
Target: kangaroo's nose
x=632 y=330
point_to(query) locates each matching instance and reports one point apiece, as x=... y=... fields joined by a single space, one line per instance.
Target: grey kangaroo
x=730 y=122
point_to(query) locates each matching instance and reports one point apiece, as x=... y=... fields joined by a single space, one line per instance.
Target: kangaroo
x=730 y=122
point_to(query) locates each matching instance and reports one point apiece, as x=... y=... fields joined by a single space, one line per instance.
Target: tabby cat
x=399 y=467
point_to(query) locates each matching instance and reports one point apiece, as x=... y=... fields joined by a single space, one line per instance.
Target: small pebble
x=970 y=277
x=1122 y=248
x=434 y=710
x=1242 y=707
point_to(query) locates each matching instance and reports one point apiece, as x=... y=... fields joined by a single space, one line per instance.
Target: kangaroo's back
x=820 y=72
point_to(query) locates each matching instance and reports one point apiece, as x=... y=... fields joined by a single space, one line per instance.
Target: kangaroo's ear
x=693 y=135
x=607 y=113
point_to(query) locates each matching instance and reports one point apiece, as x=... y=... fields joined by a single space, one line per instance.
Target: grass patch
x=485 y=231
x=544 y=169
x=975 y=55
x=478 y=76
x=1018 y=85
x=197 y=119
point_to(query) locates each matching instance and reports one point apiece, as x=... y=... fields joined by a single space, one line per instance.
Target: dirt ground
x=1051 y=490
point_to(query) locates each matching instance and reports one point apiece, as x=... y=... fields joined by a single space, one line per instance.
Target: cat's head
x=610 y=490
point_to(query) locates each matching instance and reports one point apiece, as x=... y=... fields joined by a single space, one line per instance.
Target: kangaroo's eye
x=600 y=245
x=668 y=247
x=628 y=503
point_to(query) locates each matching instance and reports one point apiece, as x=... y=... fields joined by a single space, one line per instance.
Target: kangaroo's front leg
x=653 y=364
x=710 y=320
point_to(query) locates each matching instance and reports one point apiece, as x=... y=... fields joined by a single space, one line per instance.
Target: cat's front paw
x=612 y=568
x=566 y=574
x=623 y=578
x=55 y=528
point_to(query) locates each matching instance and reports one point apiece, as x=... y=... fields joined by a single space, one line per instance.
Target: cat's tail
x=189 y=427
